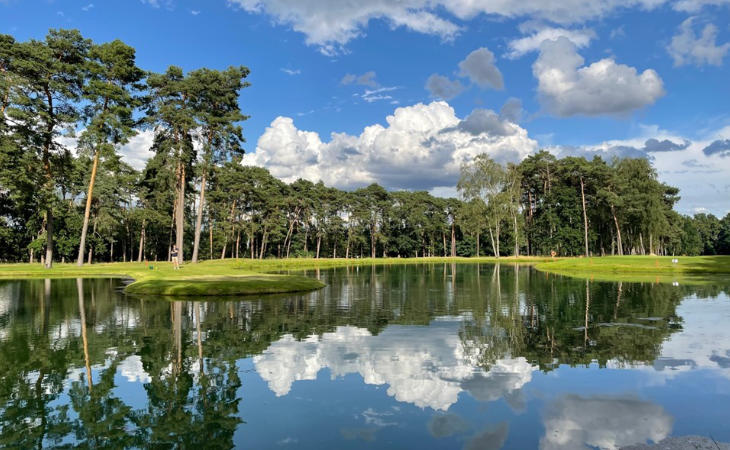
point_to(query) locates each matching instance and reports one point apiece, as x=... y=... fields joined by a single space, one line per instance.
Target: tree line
x=68 y=105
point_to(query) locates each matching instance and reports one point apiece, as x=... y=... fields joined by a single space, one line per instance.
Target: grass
x=246 y=276
x=210 y=278
x=222 y=286
x=640 y=268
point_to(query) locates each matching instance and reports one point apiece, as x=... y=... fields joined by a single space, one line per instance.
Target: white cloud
x=291 y=71
x=87 y=7
x=330 y=24
x=519 y=47
x=138 y=150
x=696 y=5
x=688 y=48
x=425 y=366
x=567 y=88
x=422 y=147
x=605 y=422
x=479 y=67
x=442 y=87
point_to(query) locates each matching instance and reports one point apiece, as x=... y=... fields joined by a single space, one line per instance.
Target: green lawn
x=245 y=276
x=640 y=268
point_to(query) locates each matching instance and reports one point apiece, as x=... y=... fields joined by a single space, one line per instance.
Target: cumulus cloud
x=422 y=147
x=519 y=47
x=426 y=367
x=719 y=147
x=443 y=87
x=606 y=422
x=485 y=121
x=568 y=88
x=665 y=145
x=689 y=48
x=330 y=24
x=479 y=67
x=512 y=110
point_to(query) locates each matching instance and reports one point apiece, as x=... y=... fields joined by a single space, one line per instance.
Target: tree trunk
x=517 y=241
x=48 y=262
x=263 y=244
x=585 y=216
x=477 y=244
x=210 y=236
x=238 y=242
x=87 y=210
x=453 y=240
x=91 y=250
x=199 y=221
x=373 y=241
x=494 y=247
x=180 y=214
x=619 y=244
x=319 y=243
x=141 y=243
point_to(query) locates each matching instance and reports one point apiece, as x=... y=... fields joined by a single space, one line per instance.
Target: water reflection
x=80 y=363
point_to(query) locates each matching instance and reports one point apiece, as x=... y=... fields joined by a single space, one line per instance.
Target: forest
x=68 y=105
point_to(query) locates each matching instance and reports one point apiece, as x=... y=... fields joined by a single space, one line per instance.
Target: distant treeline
x=85 y=203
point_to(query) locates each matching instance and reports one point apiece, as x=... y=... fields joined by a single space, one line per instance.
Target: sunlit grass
x=201 y=277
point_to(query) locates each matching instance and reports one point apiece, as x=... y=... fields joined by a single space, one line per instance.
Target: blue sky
x=412 y=89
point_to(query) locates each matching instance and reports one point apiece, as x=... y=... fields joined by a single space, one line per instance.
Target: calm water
x=434 y=356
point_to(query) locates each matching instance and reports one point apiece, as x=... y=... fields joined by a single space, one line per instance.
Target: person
x=175 y=260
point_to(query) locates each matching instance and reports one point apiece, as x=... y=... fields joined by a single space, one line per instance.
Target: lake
x=407 y=356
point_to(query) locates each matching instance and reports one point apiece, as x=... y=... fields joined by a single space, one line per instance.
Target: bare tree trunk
x=319 y=243
x=87 y=210
x=585 y=216
x=238 y=242
x=199 y=220
x=477 y=244
x=494 y=247
x=141 y=242
x=517 y=241
x=619 y=244
x=180 y=216
x=210 y=236
x=497 y=236
x=373 y=241
x=48 y=262
x=91 y=250
x=453 y=239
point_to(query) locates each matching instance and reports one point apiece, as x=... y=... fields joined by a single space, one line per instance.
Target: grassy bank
x=210 y=278
x=640 y=268
x=246 y=276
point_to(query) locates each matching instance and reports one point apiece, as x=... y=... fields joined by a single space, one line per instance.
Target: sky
x=402 y=93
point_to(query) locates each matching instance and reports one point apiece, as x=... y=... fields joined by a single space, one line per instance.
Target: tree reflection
x=65 y=342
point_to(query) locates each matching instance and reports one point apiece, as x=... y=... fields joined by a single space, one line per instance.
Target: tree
x=485 y=179
x=50 y=75
x=172 y=114
x=110 y=96
x=215 y=102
